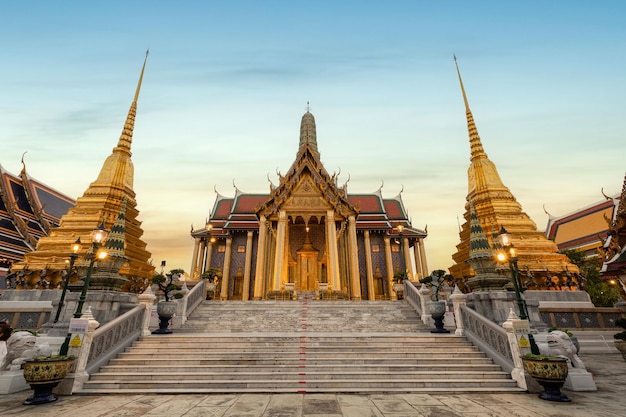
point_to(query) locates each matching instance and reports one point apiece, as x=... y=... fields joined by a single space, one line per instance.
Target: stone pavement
x=609 y=401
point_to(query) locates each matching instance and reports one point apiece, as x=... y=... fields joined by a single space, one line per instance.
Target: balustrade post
x=147 y=299
x=424 y=294
x=74 y=381
x=185 y=303
x=458 y=299
x=517 y=331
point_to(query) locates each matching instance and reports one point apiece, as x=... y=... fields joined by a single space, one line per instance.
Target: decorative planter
x=550 y=372
x=165 y=310
x=437 y=310
x=621 y=346
x=399 y=290
x=43 y=375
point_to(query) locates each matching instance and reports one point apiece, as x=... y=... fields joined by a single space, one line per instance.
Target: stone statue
x=559 y=344
x=21 y=347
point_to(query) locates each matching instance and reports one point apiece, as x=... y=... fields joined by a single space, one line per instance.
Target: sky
x=226 y=84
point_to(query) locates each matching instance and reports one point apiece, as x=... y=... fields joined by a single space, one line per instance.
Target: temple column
x=333 y=256
x=259 y=275
x=389 y=268
x=197 y=271
x=418 y=261
x=194 y=257
x=246 y=268
x=226 y=273
x=423 y=256
x=279 y=258
x=353 y=252
x=209 y=255
x=408 y=265
x=371 y=294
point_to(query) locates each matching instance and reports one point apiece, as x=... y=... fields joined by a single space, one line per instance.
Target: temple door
x=308 y=270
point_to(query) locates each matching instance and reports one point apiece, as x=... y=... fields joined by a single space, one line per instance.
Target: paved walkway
x=609 y=401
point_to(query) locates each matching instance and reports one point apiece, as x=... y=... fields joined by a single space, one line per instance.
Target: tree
x=602 y=294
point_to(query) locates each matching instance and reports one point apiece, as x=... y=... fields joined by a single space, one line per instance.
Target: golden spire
x=118 y=170
x=494 y=205
x=126 y=138
x=476 y=147
x=109 y=195
x=482 y=173
x=308 y=135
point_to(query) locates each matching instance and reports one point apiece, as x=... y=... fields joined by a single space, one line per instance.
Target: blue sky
x=227 y=82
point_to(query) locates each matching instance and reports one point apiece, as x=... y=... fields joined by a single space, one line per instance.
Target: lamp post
x=76 y=247
x=98 y=236
x=509 y=254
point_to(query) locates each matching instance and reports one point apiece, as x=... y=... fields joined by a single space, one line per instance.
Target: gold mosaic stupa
x=103 y=200
x=540 y=265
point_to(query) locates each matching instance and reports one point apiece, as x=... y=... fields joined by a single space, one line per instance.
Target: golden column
x=247 y=265
x=371 y=293
x=194 y=258
x=259 y=275
x=279 y=258
x=418 y=259
x=389 y=268
x=333 y=256
x=353 y=253
x=408 y=265
x=423 y=257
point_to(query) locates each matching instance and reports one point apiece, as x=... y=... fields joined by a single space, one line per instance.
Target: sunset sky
x=226 y=84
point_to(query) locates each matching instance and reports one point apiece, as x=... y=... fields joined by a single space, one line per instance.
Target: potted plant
x=43 y=373
x=620 y=338
x=550 y=372
x=437 y=308
x=211 y=275
x=398 y=283
x=171 y=291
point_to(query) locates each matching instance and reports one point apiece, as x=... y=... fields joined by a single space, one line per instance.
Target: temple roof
x=614 y=248
x=28 y=210
x=308 y=179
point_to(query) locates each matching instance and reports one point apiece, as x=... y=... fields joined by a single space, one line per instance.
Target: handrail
x=411 y=294
x=195 y=296
x=115 y=336
x=488 y=336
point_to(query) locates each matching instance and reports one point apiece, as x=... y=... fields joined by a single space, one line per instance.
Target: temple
x=496 y=207
x=308 y=234
x=102 y=201
x=29 y=210
x=614 y=247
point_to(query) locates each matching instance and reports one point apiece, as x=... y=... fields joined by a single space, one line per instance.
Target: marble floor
x=609 y=372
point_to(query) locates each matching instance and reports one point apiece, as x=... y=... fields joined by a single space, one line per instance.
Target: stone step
x=293 y=374
x=154 y=362
x=307 y=385
x=390 y=368
x=301 y=346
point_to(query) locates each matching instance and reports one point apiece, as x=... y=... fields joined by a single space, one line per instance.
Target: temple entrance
x=307 y=267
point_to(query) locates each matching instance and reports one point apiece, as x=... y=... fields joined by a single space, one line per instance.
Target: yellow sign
x=523 y=342
x=76 y=341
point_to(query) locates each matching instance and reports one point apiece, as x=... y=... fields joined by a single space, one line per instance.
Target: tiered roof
x=29 y=209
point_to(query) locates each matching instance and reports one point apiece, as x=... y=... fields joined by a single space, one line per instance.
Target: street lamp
x=98 y=236
x=76 y=247
x=509 y=254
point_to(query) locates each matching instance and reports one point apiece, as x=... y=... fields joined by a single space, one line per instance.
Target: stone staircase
x=301 y=346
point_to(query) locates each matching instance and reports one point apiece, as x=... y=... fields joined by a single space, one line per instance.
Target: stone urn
x=43 y=375
x=550 y=372
x=165 y=311
x=437 y=310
